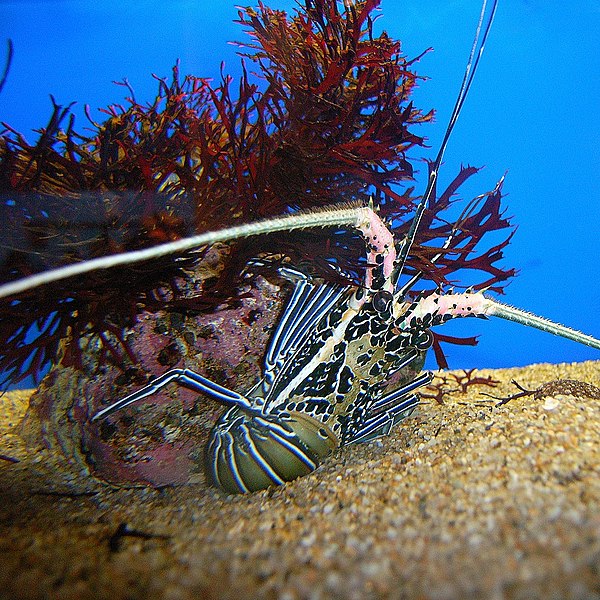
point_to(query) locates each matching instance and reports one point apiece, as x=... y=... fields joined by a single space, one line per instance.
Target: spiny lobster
x=334 y=351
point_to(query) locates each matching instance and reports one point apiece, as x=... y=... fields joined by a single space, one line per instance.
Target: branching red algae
x=328 y=119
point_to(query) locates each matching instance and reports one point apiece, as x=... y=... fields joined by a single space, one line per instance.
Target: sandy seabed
x=465 y=499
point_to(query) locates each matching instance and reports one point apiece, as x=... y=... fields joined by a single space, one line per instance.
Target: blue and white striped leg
x=187 y=378
x=389 y=400
x=308 y=303
x=389 y=410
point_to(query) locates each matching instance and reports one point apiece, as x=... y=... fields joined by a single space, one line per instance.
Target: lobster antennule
x=468 y=212
x=474 y=57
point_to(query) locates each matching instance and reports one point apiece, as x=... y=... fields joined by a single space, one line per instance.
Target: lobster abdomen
x=248 y=452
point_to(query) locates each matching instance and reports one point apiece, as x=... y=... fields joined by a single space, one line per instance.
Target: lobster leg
x=187 y=378
x=307 y=305
x=389 y=410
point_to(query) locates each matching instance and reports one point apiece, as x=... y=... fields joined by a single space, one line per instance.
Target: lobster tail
x=248 y=452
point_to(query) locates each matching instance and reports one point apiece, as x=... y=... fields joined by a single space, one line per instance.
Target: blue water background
x=532 y=111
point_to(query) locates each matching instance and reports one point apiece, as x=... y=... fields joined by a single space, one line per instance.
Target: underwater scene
x=297 y=299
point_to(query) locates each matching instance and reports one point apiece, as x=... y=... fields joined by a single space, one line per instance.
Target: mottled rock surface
x=466 y=499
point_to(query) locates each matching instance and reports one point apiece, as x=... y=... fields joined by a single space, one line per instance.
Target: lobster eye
x=424 y=341
x=382 y=300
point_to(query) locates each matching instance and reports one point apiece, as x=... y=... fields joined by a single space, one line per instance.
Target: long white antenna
x=330 y=216
x=493 y=308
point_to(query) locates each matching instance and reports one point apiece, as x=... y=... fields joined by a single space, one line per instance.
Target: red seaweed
x=327 y=119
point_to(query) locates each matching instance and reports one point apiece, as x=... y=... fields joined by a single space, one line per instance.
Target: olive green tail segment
x=349 y=214
x=510 y=313
x=247 y=453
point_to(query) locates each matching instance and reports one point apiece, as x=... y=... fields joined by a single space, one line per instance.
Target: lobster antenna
x=331 y=216
x=325 y=217
x=474 y=58
x=493 y=308
x=9 y=58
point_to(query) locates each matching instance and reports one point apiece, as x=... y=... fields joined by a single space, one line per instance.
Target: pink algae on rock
x=160 y=440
